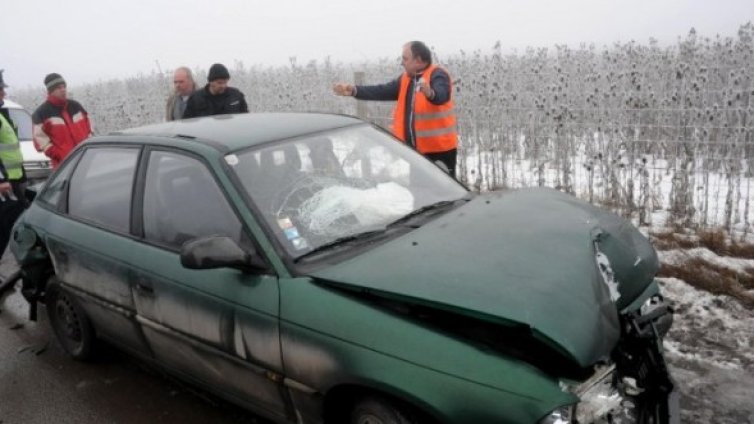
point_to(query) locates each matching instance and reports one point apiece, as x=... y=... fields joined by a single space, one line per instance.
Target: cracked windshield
x=319 y=189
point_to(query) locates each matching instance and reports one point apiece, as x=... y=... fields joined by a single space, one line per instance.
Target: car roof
x=237 y=131
x=10 y=104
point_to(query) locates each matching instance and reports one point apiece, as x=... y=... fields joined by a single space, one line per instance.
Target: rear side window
x=101 y=186
x=58 y=184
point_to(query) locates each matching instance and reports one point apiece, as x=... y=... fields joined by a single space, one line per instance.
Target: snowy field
x=639 y=127
x=641 y=187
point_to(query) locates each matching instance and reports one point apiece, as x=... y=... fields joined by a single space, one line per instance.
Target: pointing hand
x=342 y=89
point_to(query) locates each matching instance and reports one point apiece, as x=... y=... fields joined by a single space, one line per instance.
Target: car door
x=89 y=238
x=217 y=326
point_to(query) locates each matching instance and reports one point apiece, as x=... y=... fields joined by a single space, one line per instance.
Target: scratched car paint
x=311 y=268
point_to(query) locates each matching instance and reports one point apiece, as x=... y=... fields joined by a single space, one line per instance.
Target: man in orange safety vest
x=424 y=116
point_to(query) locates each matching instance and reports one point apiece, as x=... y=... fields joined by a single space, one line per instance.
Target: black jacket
x=439 y=81
x=202 y=103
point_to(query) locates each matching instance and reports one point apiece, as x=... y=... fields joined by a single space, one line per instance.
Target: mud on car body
x=312 y=269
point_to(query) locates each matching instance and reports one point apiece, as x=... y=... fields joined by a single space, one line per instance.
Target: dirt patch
x=717 y=241
x=713 y=278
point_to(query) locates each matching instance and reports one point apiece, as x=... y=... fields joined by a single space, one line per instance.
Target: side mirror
x=218 y=252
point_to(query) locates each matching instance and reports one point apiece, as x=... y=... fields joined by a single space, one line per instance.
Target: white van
x=36 y=164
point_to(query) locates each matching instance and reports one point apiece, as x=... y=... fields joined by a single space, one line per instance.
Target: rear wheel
x=69 y=322
x=377 y=410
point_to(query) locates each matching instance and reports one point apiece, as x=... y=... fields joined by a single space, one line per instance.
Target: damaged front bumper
x=35 y=266
x=636 y=387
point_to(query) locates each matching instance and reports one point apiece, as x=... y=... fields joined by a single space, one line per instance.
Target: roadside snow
x=710 y=351
x=717 y=326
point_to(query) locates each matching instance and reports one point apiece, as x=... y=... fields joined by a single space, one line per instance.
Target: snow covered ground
x=710 y=348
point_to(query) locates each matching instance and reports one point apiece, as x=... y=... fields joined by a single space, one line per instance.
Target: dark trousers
x=9 y=211
x=448 y=158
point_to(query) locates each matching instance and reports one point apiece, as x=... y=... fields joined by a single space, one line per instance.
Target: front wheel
x=69 y=322
x=376 y=410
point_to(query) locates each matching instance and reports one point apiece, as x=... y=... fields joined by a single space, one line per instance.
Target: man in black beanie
x=216 y=98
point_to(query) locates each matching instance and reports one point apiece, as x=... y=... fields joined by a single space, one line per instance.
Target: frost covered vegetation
x=636 y=127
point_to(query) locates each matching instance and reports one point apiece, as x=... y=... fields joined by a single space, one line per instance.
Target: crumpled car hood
x=516 y=258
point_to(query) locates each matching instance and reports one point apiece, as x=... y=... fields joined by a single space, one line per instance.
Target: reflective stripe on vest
x=437 y=115
x=439 y=131
x=10 y=151
x=434 y=125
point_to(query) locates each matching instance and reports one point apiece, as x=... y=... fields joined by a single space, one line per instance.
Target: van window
x=23 y=121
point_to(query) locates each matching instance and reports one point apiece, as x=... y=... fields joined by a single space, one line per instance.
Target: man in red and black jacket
x=59 y=123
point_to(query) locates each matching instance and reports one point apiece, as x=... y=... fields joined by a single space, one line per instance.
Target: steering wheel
x=289 y=199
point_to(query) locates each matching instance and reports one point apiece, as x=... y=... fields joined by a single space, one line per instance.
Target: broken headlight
x=558 y=416
x=658 y=311
x=603 y=399
x=636 y=386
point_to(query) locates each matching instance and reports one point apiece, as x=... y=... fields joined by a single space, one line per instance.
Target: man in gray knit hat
x=60 y=123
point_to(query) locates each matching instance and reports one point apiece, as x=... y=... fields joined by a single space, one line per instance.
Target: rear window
x=22 y=119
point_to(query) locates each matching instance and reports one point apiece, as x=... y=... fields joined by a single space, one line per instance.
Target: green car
x=312 y=269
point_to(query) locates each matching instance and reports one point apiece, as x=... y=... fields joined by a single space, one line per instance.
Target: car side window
x=182 y=201
x=101 y=187
x=57 y=185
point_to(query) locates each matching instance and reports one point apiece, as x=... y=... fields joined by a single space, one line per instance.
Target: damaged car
x=312 y=269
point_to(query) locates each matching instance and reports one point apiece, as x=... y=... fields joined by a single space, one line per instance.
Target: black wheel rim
x=368 y=419
x=68 y=320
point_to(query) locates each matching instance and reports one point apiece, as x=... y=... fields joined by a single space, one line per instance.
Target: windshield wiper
x=339 y=242
x=424 y=209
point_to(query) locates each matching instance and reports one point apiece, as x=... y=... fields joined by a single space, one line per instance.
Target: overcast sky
x=89 y=40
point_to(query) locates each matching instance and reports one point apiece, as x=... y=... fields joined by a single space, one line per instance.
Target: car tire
x=70 y=323
x=377 y=410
